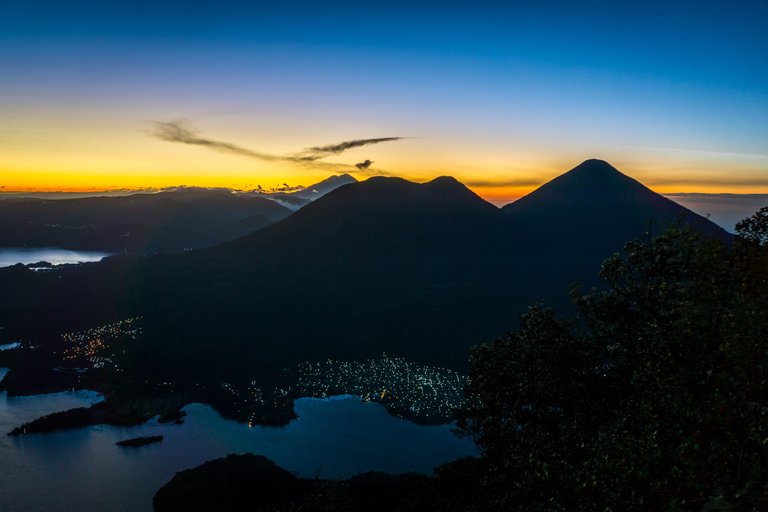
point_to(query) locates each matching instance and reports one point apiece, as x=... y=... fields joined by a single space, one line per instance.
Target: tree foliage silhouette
x=654 y=397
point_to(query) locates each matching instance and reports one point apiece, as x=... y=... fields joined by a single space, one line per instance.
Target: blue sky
x=674 y=93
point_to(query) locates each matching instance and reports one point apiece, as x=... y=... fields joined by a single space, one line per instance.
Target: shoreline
x=168 y=410
x=131 y=401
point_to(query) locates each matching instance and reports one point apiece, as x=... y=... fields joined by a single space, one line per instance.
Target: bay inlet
x=83 y=469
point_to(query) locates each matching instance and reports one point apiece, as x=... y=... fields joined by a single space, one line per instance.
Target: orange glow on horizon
x=115 y=153
x=496 y=195
x=497 y=176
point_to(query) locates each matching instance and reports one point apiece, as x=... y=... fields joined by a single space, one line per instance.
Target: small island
x=139 y=441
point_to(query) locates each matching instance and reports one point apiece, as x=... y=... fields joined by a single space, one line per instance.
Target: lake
x=13 y=255
x=83 y=469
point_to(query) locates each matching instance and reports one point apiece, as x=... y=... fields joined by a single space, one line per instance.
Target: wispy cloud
x=723 y=209
x=179 y=131
x=703 y=153
x=727 y=180
x=318 y=152
x=721 y=197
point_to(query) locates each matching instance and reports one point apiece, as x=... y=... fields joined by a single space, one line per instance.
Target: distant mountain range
x=144 y=223
x=385 y=265
x=298 y=198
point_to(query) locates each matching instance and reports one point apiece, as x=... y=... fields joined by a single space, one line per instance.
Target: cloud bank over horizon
x=725 y=210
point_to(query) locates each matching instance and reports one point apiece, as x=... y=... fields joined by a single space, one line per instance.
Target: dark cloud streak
x=179 y=131
x=364 y=165
x=318 y=152
x=176 y=131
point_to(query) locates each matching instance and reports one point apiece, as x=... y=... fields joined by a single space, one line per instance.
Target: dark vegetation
x=236 y=482
x=118 y=410
x=653 y=396
x=137 y=442
x=256 y=483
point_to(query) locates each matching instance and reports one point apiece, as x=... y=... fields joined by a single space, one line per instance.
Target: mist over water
x=725 y=210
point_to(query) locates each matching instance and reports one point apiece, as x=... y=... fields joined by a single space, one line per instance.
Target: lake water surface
x=83 y=469
x=13 y=255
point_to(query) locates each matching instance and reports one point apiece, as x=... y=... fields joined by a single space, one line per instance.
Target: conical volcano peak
x=594 y=165
x=591 y=176
x=595 y=201
x=449 y=190
x=332 y=182
x=447 y=186
x=595 y=168
x=444 y=180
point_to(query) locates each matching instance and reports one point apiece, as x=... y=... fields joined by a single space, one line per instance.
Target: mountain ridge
x=597 y=202
x=422 y=270
x=408 y=212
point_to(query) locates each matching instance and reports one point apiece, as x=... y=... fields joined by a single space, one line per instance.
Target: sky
x=503 y=96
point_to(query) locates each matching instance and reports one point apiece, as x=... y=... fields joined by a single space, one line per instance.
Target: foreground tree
x=654 y=397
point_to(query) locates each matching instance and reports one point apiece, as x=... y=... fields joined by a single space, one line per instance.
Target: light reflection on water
x=83 y=469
